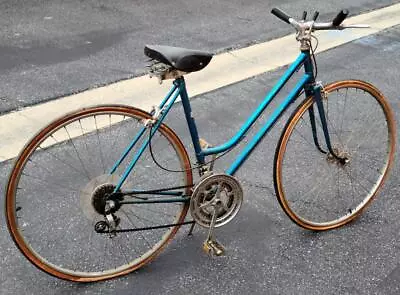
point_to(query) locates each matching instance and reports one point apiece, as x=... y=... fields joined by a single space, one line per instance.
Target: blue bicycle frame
x=178 y=89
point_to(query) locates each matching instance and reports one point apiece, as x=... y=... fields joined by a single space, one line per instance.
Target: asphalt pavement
x=50 y=49
x=267 y=253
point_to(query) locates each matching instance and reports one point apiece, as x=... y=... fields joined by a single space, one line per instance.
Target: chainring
x=221 y=191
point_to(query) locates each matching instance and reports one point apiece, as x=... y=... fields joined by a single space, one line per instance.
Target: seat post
x=189 y=119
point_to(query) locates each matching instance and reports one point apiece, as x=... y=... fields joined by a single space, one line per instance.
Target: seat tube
x=190 y=120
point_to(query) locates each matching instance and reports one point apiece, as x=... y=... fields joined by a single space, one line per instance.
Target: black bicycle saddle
x=186 y=60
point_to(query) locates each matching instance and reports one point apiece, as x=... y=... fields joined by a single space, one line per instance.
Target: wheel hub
x=99 y=197
x=93 y=195
x=344 y=157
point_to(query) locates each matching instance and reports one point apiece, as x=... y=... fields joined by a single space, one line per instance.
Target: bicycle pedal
x=213 y=248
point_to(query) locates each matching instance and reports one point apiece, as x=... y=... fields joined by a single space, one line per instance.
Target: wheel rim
x=340 y=191
x=76 y=261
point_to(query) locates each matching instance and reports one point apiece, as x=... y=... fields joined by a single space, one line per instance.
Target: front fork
x=317 y=93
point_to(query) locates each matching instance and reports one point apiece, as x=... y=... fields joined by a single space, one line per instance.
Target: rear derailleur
x=111 y=221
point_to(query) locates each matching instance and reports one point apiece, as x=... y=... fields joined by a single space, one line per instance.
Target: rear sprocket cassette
x=220 y=191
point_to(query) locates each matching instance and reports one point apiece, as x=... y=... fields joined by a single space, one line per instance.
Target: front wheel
x=318 y=191
x=55 y=197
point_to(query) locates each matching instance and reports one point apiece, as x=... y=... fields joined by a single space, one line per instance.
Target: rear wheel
x=56 y=194
x=317 y=191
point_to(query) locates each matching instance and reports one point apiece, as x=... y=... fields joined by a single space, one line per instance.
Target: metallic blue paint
x=127 y=150
x=274 y=91
x=179 y=89
x=190 y=121
x=141 y=131
x=145 y=144
x=267 y=126
x=162 y=193
x=158 y=200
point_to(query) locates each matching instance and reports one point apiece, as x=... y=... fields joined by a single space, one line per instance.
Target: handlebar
x=340 y=17
x=281 y=14
x=335 y=24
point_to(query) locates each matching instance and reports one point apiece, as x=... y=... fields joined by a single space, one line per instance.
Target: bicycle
x=85 y=219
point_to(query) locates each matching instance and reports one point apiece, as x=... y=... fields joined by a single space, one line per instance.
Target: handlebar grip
x=280 y=14
x=340 y=17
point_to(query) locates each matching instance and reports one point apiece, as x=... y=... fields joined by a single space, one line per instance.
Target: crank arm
x=211 y=246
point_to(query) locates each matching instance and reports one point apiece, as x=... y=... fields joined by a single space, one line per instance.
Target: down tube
x=267 y=126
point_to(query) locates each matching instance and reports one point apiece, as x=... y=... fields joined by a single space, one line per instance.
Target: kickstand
x=210 y=245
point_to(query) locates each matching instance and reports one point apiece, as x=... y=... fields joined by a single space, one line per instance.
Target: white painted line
x=17 y=127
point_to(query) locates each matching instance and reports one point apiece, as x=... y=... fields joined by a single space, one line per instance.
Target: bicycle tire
x=294 y=145
x=90 y=258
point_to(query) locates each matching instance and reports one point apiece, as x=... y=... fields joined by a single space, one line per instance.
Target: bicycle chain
x=101 y=227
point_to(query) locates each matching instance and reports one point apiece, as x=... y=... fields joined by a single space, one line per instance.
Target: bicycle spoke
x=101 y=151
x=343 y=111
x=134 y=226
x=359 y=183
x=55 y=157
x=83 y=135
x=330 y=193
x=62 y=180
x=46 y=183
x=139 y=218
x=152 y=210
x=77 y=154
x=122 y=251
